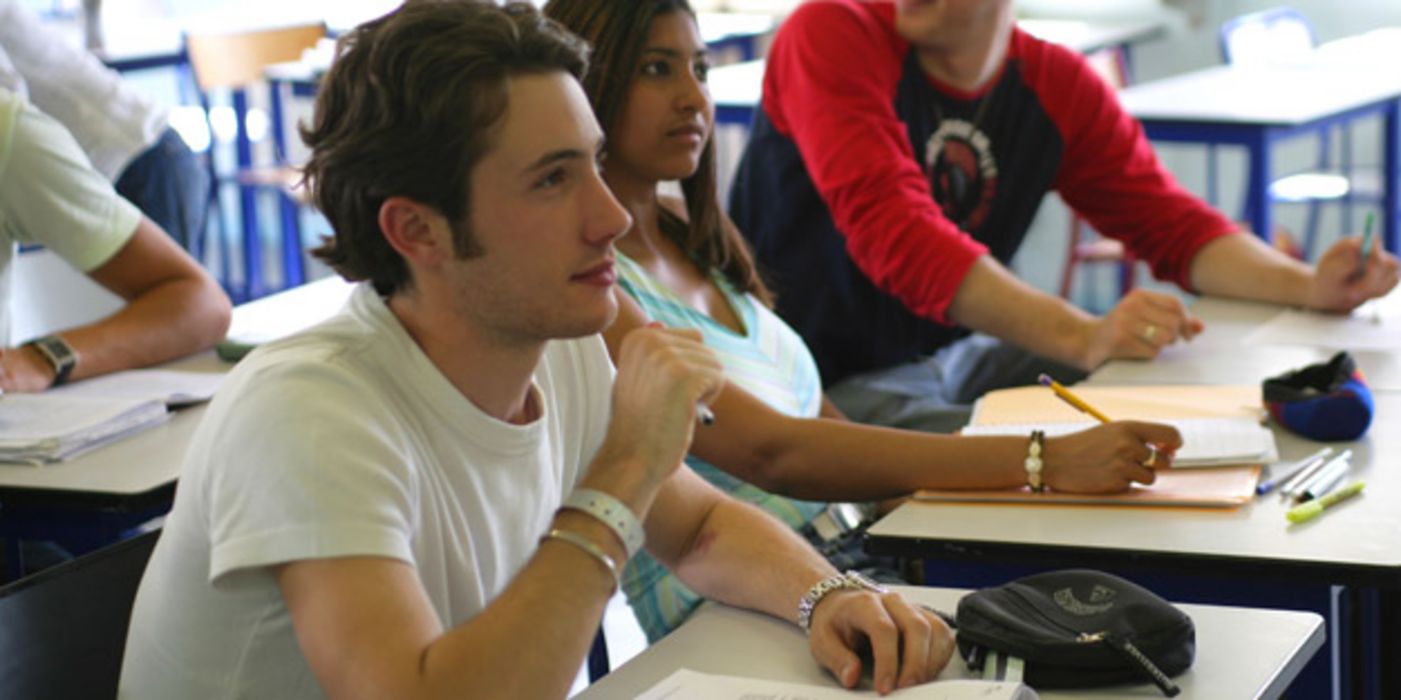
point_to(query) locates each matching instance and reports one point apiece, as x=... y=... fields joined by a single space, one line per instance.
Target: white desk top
x=1358 y=538
x=719 y=26
x=741 y=84
x=1088 y=37
x=1241 y=653
x=151 y=459
x=1278 y=95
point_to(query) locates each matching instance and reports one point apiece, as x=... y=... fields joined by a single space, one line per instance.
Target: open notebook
x=1206 y=442
x=1220 y=425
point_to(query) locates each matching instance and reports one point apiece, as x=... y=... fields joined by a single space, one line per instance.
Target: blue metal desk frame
x=1259 y=140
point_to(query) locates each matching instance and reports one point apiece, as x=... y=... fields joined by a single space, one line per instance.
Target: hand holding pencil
x=1108 y=458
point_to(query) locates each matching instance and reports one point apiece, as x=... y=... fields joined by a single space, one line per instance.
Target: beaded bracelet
x=1033 y=461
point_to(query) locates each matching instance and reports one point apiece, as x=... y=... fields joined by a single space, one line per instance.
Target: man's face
x=544 y=219
x=941 y=23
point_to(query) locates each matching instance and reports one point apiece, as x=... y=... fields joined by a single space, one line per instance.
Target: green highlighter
x=1305 y=512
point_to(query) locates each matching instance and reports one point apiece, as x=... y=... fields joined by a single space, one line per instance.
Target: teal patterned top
x=769 y=361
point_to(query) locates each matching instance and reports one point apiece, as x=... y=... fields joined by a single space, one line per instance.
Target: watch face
x=58 y=351
x=59 y=354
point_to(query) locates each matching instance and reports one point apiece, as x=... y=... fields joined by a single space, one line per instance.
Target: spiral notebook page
x=1206 y=442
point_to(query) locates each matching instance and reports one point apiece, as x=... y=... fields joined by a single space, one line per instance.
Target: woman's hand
x=1108 y=458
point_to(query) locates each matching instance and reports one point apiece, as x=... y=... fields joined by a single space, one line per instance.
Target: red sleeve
x=1109 y=172
x=830 y=86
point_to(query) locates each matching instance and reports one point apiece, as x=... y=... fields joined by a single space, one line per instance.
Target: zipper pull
x=1137 y=658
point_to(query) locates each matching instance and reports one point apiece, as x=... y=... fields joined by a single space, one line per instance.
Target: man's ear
x=416 y=231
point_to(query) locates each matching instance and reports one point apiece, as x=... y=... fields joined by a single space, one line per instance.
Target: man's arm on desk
x=734 y=553
x=173 y=308
x=993 y=300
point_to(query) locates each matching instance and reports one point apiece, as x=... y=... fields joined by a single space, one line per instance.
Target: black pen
x=1324 y=482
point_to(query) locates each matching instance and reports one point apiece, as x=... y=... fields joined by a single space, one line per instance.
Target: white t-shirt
x=111 y=121
x=344 y=441
x=50 y=195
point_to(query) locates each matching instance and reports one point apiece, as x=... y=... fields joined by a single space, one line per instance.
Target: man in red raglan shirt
x=900 y=155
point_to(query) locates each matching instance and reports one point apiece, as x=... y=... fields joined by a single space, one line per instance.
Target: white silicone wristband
x=611 y=512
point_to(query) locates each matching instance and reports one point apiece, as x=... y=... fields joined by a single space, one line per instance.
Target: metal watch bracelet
x=849 y=581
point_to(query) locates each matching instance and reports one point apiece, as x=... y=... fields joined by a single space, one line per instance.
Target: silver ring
x=1152 y=456
x=1150 y=333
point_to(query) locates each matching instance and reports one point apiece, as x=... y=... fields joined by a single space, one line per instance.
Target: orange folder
x=1221 y=487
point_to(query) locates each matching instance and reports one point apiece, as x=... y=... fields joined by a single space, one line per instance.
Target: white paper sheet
x=686 y=684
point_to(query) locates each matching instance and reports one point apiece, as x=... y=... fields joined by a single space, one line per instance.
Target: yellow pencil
x=1072 y=399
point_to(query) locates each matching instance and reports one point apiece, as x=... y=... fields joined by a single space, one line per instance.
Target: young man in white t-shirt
x=432 y=494
x=50 y=195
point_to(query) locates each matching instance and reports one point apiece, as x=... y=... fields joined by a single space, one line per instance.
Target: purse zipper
x=1137 y=658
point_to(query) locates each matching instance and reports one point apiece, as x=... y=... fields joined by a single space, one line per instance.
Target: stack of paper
x=39 y=428
x=70 y=420
x=175 y=389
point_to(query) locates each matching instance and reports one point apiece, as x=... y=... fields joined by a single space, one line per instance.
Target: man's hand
x=662 y=373
x=1108 y=458
x=1139 y=327
x=23 y=369
x=908 y=644
x=1342 y=279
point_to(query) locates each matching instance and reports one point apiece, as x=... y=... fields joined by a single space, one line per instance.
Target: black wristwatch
x=59 y=354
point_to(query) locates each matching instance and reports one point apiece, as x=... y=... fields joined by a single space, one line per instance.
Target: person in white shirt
x=50 y=195
x=399 y=502
x=126 y=135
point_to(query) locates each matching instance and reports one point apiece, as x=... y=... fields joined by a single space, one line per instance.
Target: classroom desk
x=118 y=485
x=1241 y=653
x=1260 y=106
x=1353 y=545
x=737 y=30
x=738 y=88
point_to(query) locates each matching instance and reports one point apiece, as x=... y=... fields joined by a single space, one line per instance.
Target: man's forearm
x=992 y=300
x=1244 y=267
x=170 y=321
x=736 y=553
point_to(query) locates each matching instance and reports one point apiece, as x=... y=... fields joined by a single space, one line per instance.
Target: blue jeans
x=170 y=187
x=936 y=394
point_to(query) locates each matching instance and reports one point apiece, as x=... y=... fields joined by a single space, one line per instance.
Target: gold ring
x=1150 y=332
x=1152 y=456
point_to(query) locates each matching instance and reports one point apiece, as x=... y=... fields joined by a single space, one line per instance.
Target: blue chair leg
x=598 y=657
x=293 y=270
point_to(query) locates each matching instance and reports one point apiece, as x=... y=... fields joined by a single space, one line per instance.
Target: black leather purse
x=1078 y=628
